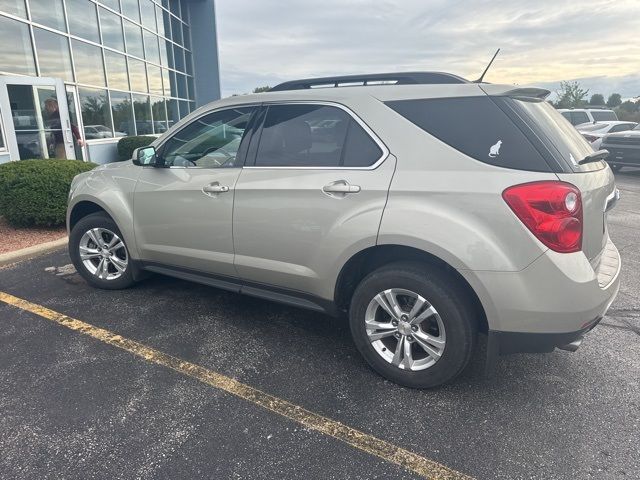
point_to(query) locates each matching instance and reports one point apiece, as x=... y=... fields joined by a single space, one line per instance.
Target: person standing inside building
x=53 y=123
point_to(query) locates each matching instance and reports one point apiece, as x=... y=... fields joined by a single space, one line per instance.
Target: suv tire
x=448 y=328
x=106 y=263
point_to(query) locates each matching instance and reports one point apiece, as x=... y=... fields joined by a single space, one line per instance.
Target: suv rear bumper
x=553 y=301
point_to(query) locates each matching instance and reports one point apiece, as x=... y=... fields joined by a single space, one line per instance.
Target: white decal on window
x=494 y=151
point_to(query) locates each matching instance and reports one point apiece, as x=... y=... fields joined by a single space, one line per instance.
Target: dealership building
x=77 y=75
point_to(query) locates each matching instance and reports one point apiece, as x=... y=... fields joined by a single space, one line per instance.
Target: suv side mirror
x=145 y=156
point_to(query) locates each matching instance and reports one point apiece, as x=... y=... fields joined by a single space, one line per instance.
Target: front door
x=312 y=196
x=182 y=212
x=36 y=118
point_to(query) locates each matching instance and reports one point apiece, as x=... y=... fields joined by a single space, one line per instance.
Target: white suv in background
x=588 y=115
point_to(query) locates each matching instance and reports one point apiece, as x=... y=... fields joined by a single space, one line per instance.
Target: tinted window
x=475 y=126
x=568 y=142
x=603 y=116
x=360 y=149
x=621 y=128
x=579 y=117
x=210 y=141
x=314 y=136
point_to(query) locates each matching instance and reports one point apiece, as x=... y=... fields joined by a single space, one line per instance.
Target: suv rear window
x=475 y=126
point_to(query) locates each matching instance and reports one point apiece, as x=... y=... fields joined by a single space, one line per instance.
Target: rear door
x=311 y=194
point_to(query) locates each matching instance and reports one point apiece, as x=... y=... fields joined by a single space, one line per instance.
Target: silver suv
x=427 y=208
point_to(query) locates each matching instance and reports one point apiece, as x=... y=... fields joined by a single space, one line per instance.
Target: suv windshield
x=569 y=143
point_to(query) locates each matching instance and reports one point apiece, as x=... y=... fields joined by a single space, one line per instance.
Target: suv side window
x=621 y=128
x=579 y=117
x=211 y=141
x=475 y=126
x=300 y=135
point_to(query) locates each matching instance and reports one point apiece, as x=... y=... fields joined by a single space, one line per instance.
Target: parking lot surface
x=73 y=406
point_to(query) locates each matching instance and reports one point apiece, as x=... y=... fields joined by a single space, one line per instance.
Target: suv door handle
x=341 y=187
x=214 y=188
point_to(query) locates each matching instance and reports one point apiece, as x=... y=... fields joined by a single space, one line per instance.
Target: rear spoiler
x=523 y=92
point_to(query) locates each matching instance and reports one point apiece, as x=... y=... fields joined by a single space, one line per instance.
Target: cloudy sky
x=263 y=42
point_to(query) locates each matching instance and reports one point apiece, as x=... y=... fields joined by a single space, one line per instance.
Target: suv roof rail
x=399 y=78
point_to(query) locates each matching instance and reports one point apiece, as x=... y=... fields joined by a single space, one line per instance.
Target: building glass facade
x=128 y=63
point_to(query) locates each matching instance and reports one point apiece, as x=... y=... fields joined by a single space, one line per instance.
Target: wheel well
x=81 y=210
x=370 y=259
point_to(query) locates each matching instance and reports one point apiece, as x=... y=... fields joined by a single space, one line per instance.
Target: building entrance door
x=36 y=118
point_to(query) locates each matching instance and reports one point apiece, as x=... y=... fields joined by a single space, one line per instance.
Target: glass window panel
x=142 y=112
x=186 y=37
x=159 y=21
x=175 y=7
x=15 y=7
x=96 y=116
x=151 y=49
x=122 y=112
x=164 y=60
x=111 y=25
x=170 y=63
x=178 y=58
x=176 y=30
x=192 y=91
x=159 y=113
x=18 y=58
x=2 y=146
x=188 y=63
x=165 y=4
x=117 y=76
x=130 y=9
x=83 y=19
x=173 y=114
x=154 y=74
x=166 y=21
x=134 y=39
x=114 y=4
x=49 y=13
x=53 y=54
x=166 y=82
x=88 y=62
x=148 y=13
x=173 y=84
x=181 y=80
x=184 y=108
x=137 y=75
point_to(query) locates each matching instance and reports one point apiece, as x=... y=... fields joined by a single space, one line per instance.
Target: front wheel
x=99 y=253
x=413 y=324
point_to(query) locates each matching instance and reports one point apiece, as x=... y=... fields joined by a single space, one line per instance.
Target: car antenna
x=486 y=69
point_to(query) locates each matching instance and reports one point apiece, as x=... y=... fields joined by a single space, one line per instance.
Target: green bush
x=126 y=145
x=35 y=192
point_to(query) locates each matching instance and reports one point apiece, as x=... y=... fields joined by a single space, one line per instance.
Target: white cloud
x=265 y=42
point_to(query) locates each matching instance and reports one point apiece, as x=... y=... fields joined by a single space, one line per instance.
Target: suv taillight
x=551 y=210
x=589 y=138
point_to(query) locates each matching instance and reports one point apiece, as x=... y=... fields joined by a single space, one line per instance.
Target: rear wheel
x=414 y=325
x=99 y=253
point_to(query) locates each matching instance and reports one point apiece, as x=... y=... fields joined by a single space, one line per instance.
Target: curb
x=30 y=252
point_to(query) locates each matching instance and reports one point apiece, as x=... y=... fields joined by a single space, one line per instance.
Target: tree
x=571 y=95
x=261 y=89
x=629 y=106
x=596 y=99
x=614 y=100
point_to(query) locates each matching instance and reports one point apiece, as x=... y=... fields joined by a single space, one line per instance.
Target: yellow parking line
x=368 y=443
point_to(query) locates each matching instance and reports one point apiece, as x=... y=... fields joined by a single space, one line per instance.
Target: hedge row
x=35 y=192
x=126 y=145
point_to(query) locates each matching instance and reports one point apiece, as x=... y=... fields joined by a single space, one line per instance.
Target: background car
x=624 y=148
x=588 y=115
x=594 y=132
